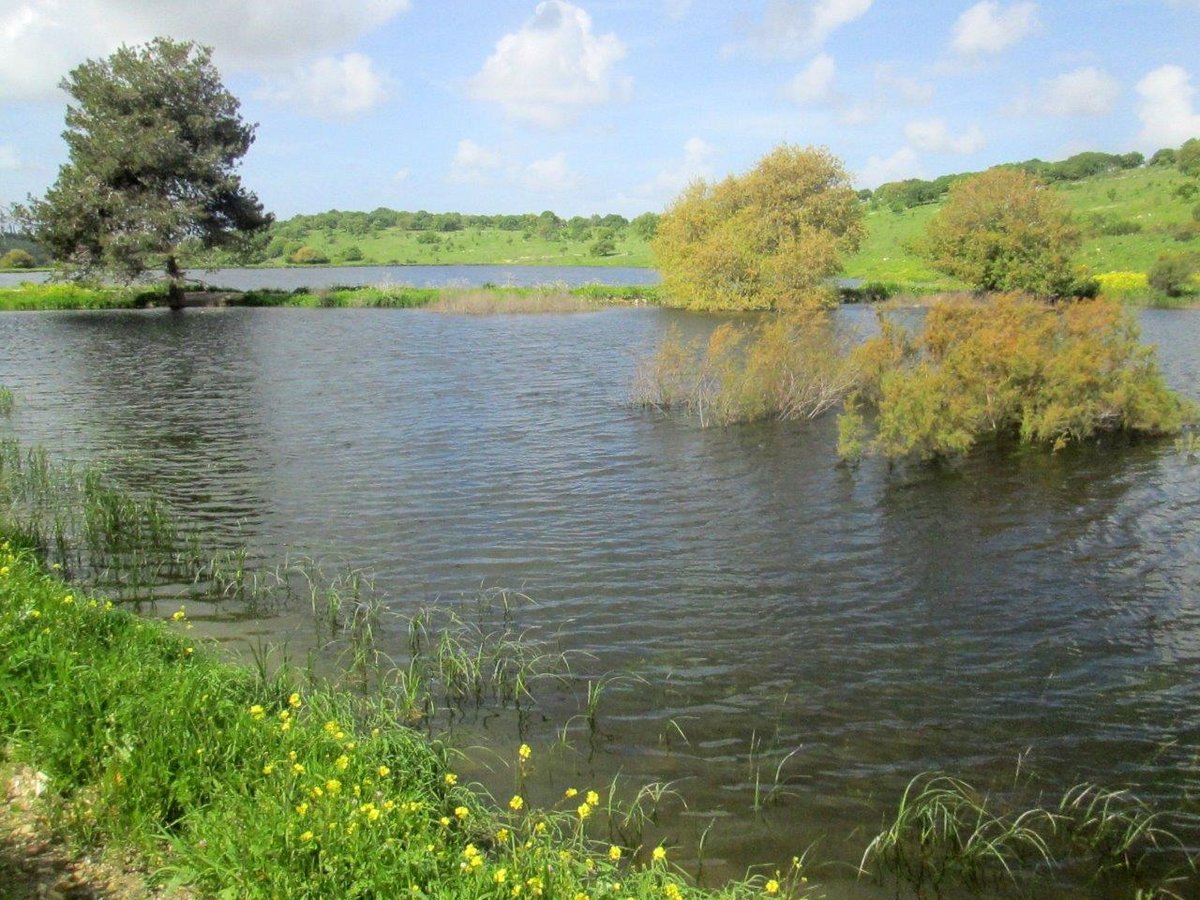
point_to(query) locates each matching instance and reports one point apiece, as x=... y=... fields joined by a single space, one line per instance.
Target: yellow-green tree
x=1010 y=366
x=1003 y=230
x=768 y=239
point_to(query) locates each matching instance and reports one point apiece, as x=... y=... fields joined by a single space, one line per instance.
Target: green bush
x=1172 y=273
x=307 y=256
x=17 y=259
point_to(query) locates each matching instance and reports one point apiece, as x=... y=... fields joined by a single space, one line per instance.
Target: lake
x=761 y=603
x=414 y=276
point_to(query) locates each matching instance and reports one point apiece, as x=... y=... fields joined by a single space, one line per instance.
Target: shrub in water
x=1013 y=366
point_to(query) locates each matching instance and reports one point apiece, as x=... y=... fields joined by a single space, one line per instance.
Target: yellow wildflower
x=179 y=615
x=268 y=769
x=525 y=751
x=539 y=828
x=569 y=793
x=593 y=798
x=584 y=810
x=257 y=711
x=502 y=835
x=301 y=809
x=659 y=854
x=450 y=778
x=500 y=875
x=772 y=887
x=294 y=701
x=298 y=768
x=516 y=803
x=68 y=600
x=342 y=763
x=614 y=853
x=384 y=771
x=444 y=820
x=316 y=792
x=535 y=885
x=333 y=786
x=672 y=892
x=461 y=812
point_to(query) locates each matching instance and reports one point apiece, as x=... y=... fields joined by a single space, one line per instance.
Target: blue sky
x=614 y=105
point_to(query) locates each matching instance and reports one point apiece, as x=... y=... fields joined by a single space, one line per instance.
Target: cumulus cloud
x=696 y=163
x=813 y=86
x=42 y=40
x=792 y=28
x=8 y=157
x=932 y=136
x=1166 y=107
x=989 y=27
x=331 y=87
x=473 y=163
x=401 y=175
x=1083 y=92
x=880 y=169
x=552 y=68
x=677 y=9
x=890 y=90
x=549 y=176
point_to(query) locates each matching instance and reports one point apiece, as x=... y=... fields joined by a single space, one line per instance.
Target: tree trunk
x=175 y=287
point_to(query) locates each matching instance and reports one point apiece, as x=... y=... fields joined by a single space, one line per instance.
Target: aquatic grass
x=71 y=295
x=7 y=401
x=500 y=301
x=789 y=366
x=946 y=833
x=244 y=782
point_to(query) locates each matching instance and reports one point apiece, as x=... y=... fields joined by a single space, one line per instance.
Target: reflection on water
x=878 y=622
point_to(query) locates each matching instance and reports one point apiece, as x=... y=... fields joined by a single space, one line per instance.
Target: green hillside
x=1146 y=202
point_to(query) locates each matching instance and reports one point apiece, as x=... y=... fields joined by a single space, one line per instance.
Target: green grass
x=68 y=295
x=245 y=784
x=472 y=245
x=1145 y=197
x=499 y=299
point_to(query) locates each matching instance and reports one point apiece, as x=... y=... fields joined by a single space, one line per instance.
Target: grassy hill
x=1143 y=201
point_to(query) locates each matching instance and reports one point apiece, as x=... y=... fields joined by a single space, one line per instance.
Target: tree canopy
x=764 y=240
x=154 y=139
x=1003 y=230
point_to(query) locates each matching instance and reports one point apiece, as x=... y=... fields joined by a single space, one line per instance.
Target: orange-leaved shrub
x=1009 y=366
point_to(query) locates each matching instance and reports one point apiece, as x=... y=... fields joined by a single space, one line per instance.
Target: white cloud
x=890 y=90
x=677 y=9
x=793 y=28
x=8 y=157
x=989 y=27
x=814 y=85
x=878 y=170
x=330 y=87
x=696 y=163
x=550 y=176
x=402 y=175
x=932 y=136
x=42 y=40
x=1083 y=92
x=473 y=163
x=1166 y=109
x=552 y=68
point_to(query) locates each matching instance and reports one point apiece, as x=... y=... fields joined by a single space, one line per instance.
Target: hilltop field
x=1149 y=204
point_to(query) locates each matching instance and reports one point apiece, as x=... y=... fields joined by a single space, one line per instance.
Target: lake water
x=879 y=622
x=414 y=276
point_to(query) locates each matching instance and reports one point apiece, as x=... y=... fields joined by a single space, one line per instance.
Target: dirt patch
x=34 y=865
